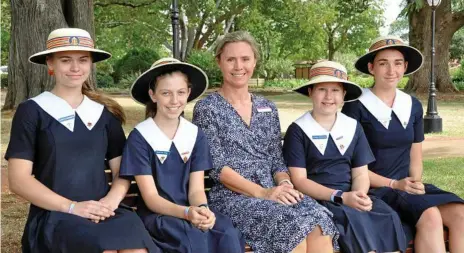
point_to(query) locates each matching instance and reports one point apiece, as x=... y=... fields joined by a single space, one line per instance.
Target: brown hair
x=150 y=106
x=238 y=36
x=108 y=102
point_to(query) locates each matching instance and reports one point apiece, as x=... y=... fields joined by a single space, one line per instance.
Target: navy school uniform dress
x=149 y=151
x=328 y=158
x=68 y=149
x=391 y=133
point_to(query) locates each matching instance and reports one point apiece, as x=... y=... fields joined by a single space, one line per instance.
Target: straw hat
x=69 y=39
x=411 y=54
x=196 y=76
x=328 y=72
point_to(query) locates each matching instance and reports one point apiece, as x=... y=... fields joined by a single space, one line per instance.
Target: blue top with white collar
x=390 y=131
x=328 y=156
x=149 y=151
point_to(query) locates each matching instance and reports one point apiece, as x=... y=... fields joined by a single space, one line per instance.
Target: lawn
x=447 y=173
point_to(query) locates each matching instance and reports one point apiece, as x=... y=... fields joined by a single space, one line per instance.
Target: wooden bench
x=132 y=196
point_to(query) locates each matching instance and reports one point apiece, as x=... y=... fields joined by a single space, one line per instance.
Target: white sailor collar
x=402 y=106
x=184 y=140
x=342 y=131
x=89 y=111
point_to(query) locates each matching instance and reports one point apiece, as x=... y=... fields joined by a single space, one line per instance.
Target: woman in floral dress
x=252 y=183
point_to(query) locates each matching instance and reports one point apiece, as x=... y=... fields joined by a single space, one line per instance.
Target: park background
x=293 y=34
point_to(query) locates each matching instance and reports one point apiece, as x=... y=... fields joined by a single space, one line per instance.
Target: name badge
x=264 y=109
x=158 y=152
x=319 y=137
x=66 y=118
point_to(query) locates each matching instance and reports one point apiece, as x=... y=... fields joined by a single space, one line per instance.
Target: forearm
x=279 y=176
x=313 y=189
x=119 y=188
x=377 y=181
x=38 y=194
x=361 y=183
x=415 y=170
x=160 y=205
x=237 y=183
x=197 y=198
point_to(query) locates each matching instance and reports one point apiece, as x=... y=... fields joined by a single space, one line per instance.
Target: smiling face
x=237 y=63
x=388 y=68
x=71 y=68
x=171 y=94
x=327 y=97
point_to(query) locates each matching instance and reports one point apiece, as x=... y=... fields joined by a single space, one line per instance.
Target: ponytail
x=108 y=102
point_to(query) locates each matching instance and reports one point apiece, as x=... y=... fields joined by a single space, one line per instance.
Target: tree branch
x=457 y=20
x=123 y=3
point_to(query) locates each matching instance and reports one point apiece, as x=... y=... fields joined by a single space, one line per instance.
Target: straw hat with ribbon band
x=69 y=39
x=411 y=54
x=330 y=72
x=196 y=76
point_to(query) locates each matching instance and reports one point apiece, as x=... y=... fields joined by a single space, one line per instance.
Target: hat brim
x=97 y=55
x=353 y=91
x=413 y=56
x=197 y=78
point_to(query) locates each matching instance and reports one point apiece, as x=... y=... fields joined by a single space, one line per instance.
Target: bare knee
x=110 y=251
x=316 y=237
x=453 y=215
x=430 y=220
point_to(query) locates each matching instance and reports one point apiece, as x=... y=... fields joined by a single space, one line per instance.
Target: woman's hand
x=210 y=219
x=284 y=194
x=94 y=210
x=409 y=185
x=357 y=200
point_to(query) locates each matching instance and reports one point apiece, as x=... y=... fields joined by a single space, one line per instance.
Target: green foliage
x=5 y=31
x=135 y=60
x=284 y=83
x=458 y=75
x=457 y=45
x=278 y=68
x=347 y=60
x=127 y=80
x=4 y=81
x=368 y=81
x=206 y=61
x=104 y=80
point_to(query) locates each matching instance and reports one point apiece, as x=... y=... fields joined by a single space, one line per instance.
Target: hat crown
x=328 y=69
x=383 y=41
x=165 y=60
x=69 y=37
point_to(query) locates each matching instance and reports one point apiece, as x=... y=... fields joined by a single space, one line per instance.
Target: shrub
x=458 y=75
x=127 y=81
x=278 y=68
x=136 y=60
x=284 y=83
x=368 y=81
x=104 y=80
x=206 y=61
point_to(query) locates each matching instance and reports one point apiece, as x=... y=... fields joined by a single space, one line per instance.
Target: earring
x=50 y=72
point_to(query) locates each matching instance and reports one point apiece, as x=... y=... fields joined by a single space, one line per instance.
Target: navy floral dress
x=255 y=152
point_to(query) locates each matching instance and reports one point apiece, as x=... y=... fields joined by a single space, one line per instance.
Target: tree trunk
x=420 y=36
x=31 y=22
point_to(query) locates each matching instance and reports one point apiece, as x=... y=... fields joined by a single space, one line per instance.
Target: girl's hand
x=210 y=219
x=195 y=217
x=357 y=200
x=408 y=185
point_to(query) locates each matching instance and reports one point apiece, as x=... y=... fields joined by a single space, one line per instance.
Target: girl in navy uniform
x=168 y=156
x=392 y=121
x=56 y=159
x=327 y=154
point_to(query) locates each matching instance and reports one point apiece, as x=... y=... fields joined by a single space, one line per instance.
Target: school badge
x=185 y=156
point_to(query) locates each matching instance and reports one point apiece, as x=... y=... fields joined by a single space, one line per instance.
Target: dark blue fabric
x=391 y=148
x=172 y=178
x=72 y=164
x=380 y=229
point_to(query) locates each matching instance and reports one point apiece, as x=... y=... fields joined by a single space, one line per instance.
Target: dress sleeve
x=362 y=153
x=275 y=147
x=136 y=156
x=204 y=119
x=201 y=156
x=418 y=121
x=351 y=109
x=116 y=138
x=23 y=135
x=294 y=151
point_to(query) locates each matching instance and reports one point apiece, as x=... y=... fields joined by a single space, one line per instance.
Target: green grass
x=446 y=173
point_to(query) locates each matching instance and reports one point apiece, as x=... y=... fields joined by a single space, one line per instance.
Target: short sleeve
x=136 y=156
x=23 y=133
x=201 y=156
x=352 y=109
x=116 y=138
x=418 y=120
x=294 y=152
x=275 y=147
x=203 y=118
x=362 y=153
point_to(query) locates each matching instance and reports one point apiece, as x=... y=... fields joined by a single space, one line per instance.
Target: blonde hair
x=238 y=36
x=110 y=104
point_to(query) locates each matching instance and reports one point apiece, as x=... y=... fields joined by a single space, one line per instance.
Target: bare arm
x=377 y=180
x=308 y=186
x=279 y=176
x=119 y=187
x=360 y=179
x=25 y=185
x=237 y=183
x=415 y=167
x=196 y=194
